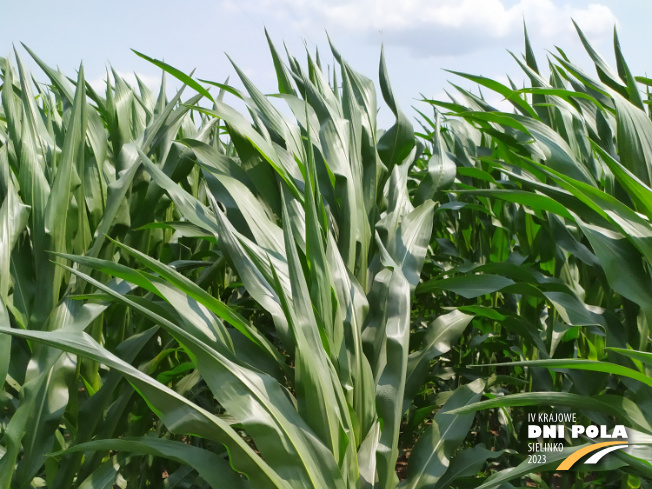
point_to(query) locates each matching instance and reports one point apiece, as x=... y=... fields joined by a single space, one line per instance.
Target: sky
x=421 y=38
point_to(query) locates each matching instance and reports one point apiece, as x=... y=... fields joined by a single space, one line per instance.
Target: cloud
x=439 y=27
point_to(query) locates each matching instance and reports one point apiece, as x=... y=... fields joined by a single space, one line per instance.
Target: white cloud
x=439 y=27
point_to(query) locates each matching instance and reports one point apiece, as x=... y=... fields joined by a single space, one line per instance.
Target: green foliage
x=310 y=301
x=549 y=236
x=70 y=178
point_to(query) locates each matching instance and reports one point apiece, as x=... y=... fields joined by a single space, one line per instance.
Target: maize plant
x=308 y=301
x=69 y=184
x=547 y=240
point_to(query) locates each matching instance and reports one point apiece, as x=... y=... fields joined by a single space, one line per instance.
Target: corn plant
x=307 y=349
x=310 y=301
x=548 y=243
x=69 y=179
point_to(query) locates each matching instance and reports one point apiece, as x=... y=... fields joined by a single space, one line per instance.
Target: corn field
x=195 y=297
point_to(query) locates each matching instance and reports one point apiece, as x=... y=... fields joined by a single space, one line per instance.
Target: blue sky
x=421 y=37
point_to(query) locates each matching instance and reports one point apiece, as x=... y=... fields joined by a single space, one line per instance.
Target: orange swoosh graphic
x=568 y=462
